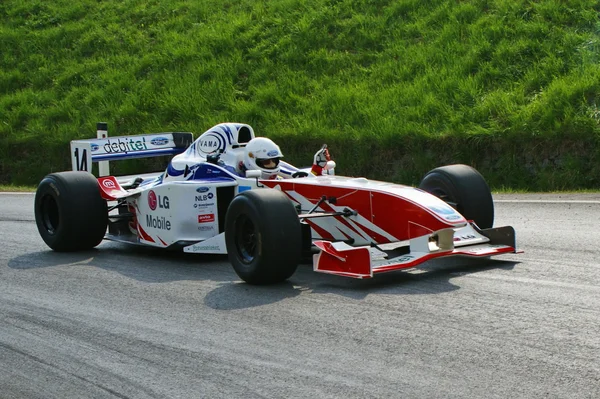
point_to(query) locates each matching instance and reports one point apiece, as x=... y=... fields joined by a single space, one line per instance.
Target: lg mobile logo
x=160 y=223
x=124 y=145
x=155 y=201
x=157 y=222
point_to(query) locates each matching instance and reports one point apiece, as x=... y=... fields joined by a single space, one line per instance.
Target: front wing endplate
x=363 y=262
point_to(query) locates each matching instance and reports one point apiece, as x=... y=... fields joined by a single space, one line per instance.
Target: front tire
x=462 y=187
x=70 y=213
x=263 y=236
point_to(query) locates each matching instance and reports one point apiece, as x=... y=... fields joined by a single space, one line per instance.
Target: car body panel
x=358 y=227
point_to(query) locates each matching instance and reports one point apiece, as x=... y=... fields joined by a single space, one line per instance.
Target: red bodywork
x=381 y=215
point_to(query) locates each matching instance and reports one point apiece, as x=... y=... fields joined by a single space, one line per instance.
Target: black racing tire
x=70 y=213
x=263 y=236
x=464 y=189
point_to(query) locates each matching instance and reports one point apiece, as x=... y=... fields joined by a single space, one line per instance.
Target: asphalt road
x=119 y=322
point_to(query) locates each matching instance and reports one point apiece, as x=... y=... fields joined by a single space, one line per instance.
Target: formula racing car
x=201 y=203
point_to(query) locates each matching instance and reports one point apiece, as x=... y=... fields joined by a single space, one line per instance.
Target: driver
x=263 y=154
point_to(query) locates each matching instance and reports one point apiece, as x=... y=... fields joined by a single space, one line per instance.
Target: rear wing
x=104 y=149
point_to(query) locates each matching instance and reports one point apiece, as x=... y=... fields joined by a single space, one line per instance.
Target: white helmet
x=262 y=154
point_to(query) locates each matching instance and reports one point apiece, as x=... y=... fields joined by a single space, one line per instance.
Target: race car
x=202 y=203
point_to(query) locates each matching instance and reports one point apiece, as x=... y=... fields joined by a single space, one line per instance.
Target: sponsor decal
x=109 y=184
x=243 y=188
x=443 y=210
x=159 y=141
x=156 y=222
x=215 y=140
x=210 y=142
x=206 y=228
x=152 y=200
x=272 y=153
x=53 y=186
x=208 y=218
x=465 y=237
x=207 y=248
x=94 y=147
x=404 y=258
x=123 y=145
x=204 y=197
x=204 y=205
x=202 y=189
x=155 y=201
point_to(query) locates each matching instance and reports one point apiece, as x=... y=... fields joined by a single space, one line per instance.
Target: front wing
x=360 y=262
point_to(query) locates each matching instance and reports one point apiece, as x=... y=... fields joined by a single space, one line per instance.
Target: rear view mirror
x=253 y=174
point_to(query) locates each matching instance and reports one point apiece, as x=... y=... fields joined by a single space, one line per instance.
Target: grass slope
x=395 y=87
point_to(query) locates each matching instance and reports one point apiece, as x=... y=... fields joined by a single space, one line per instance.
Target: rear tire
x=263 y=236
x=70 y=213
x=462 y=187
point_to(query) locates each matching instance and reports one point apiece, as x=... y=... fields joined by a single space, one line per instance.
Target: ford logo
x=94 y=147
x=202 y=189
x=159 y=141
x=272 y=153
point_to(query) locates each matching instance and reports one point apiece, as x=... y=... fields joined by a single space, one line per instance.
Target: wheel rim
x=50 y=214
x=246 y=239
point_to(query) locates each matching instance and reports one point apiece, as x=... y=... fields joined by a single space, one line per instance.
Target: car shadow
x=432 y=278
x=147 y=264
x=239 y=295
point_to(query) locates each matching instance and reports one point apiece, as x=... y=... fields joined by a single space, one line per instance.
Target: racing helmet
x=262 y=154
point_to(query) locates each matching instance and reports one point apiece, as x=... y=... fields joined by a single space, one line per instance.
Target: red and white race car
x=352 y=226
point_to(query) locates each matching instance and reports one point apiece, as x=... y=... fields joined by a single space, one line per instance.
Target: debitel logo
x=158 y=141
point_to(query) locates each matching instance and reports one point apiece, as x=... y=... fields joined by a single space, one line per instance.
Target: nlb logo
x=159 y=141
x=204 y=197
x=155 y=201
x=206 y=218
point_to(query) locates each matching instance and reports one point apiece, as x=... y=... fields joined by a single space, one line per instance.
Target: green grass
x=16 y=189
x=395 y=87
